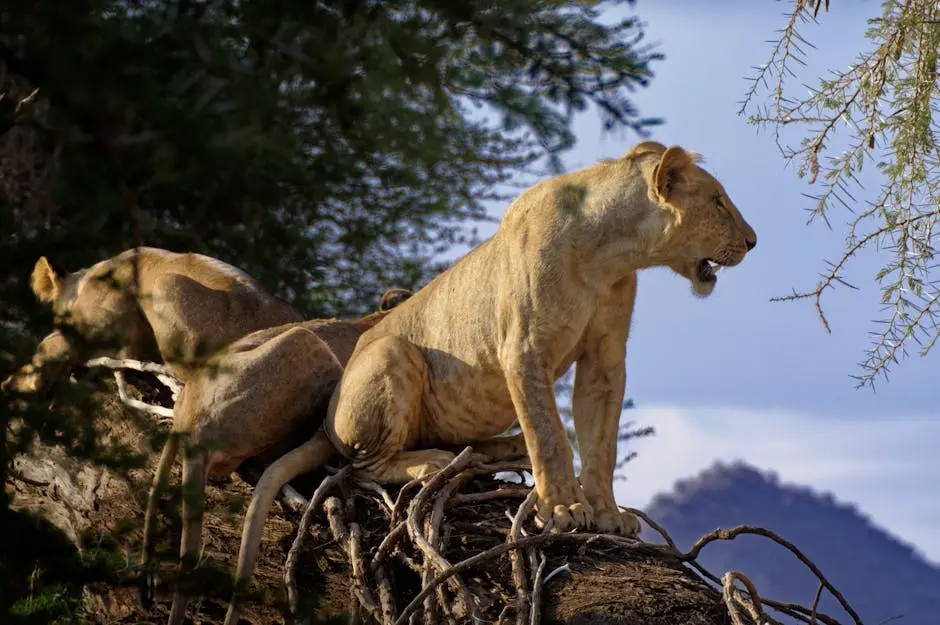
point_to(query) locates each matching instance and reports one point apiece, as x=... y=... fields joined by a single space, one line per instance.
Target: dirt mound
x=456 y=547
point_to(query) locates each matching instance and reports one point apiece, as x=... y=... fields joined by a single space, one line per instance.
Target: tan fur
x=483 y=343
x=149 y=304
x=245 y=400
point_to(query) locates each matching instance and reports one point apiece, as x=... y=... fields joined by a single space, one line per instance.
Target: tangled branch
x=119 y=365
x=416 y=536
x=173 y=383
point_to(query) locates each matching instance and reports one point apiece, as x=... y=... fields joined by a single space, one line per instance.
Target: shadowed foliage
x=330 y=149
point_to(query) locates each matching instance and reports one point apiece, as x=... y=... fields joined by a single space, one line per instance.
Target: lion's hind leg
x=374 y=418
x=404 y=466
x=160 y=479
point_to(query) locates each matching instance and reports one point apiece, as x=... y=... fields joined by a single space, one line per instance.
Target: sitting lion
x=483 y=343
x=247 y=399
x=146 y=304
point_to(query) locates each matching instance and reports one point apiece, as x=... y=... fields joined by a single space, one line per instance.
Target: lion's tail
x=160 y=479
x=311 y=455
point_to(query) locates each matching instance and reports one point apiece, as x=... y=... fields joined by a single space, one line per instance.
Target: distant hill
x=878 y=574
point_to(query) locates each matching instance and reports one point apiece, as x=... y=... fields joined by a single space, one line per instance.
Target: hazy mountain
x=879 y=575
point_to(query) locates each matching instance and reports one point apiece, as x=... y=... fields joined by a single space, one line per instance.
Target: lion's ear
x=45 y=282
x=393 y=297
x=669 y=171
x=645 y=147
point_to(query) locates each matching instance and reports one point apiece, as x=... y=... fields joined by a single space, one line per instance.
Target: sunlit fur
x=247 y=399
x=483 y=343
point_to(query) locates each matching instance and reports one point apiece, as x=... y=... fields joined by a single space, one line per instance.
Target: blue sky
x=736 y=376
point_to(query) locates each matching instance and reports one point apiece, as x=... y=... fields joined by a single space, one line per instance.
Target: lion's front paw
x=614 y=521
x=566 y=517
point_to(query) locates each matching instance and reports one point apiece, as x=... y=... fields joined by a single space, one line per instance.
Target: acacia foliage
x=881 y=114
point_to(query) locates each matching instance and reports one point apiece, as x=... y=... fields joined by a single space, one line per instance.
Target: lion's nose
x=751 y=244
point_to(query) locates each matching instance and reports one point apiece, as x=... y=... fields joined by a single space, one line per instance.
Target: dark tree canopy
x=329 y=148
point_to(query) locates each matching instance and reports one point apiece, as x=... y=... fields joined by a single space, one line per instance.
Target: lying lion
x=483 y=343
x=246 y=399
x=146 y=304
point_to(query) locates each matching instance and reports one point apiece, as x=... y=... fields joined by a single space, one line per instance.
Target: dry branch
x=414 y=537
x=441 y=548
x=734 y=601
x=518 y=568
x=163 y=374
x=720 y=534
x=290 y=566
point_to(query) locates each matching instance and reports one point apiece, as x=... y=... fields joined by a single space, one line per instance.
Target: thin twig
x=431 y=554
x=435 y=540
x=388 y=544
x=378 y=490
x=171 y=381
x=720 y=534
x=386 y=596
x=653 y=524
x=489 y=495
x=732 y=599
x=535 y=615
x=293 y=499
x=290 y=567
x=564 y=568
x=163 y=414
x=401 y=507
x=815 y=605
x=522 y=543
x=350 y=538
x=518 y=568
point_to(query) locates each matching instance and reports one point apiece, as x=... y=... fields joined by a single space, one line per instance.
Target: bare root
x=119 y=365
x=416 y=536
x=173 y=383
x=290 y=567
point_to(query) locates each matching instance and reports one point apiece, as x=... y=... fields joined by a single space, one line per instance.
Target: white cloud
x=887 y=467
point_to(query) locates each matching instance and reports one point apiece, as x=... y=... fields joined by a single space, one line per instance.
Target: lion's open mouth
x=706 y=270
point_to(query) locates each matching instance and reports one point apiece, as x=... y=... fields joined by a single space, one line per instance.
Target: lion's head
x=707 y=231
x=393 y=297
x=89 y=313
x=97 y=301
